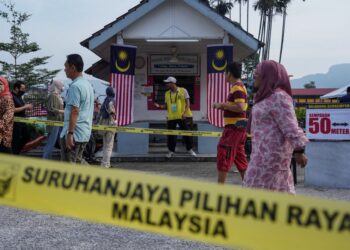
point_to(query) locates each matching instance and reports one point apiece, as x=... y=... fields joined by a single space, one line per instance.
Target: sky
x=316 y=31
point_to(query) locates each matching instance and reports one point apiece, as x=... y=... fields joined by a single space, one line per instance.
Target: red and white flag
x=217 y=87
x=218 y=91
x=122 y=80
x=124 y=92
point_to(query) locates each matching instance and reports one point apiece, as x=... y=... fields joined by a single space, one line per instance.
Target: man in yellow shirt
x=177 y=103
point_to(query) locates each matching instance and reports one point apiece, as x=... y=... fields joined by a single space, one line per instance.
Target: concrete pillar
x=207 y=145
x=132 y=143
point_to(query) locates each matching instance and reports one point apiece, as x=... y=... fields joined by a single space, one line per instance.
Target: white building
x=169 y=31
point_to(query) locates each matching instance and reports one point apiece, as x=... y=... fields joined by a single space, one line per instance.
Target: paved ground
x=28 y=230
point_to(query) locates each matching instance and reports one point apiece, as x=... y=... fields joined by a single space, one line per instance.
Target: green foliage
x=19 y=45
x=249 y=65
x=221 y=6
x=310 y=85
x=301 y=114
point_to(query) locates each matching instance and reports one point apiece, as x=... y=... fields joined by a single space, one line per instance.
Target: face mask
x=2 y=88
x=20 y=92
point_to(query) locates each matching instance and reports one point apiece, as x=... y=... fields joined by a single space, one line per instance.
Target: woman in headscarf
x=275 y=131
x=7 y=109
x=55 y=112
x=107 y=117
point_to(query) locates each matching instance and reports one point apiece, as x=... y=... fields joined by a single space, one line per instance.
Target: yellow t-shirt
x=176 y=103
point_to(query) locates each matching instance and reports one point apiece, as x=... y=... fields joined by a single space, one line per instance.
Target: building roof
x=146 y=6
x=312 y=92
x=336 y=93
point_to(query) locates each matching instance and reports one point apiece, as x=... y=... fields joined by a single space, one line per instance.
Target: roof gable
x=147 y=6
x=173 y=20
x=121 y=23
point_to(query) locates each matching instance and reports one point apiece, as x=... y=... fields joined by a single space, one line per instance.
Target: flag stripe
x=217 y=91
x=124 y=90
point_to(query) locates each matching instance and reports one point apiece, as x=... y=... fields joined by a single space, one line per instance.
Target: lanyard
x=171 y=101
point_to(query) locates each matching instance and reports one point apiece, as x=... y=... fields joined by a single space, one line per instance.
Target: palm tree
x=247 y=1
x=282 y=8
x=266 y=9
x=222 y=7
x=283 y=28
x=240 y=10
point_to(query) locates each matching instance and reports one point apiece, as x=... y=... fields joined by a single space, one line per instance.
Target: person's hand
x=217 y=105
x=156 y=105
x=69 y=141
x=28 y=106
x=301 y=159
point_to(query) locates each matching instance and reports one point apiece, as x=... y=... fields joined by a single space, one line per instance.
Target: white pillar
x=120 y=39
x=226 y=39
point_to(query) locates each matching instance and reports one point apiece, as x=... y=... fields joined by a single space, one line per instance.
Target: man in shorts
x=231 y=147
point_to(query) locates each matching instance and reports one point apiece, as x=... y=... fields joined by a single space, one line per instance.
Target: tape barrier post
x=207 y=212
x=127 y=129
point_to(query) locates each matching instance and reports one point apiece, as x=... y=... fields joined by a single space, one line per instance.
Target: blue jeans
x=51 y=141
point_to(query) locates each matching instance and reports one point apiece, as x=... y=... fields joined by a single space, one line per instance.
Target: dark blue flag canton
x=123 y=59
x=218 y=58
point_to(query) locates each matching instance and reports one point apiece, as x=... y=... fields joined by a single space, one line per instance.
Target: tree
x=267 y=9
x=310 y=85
x=240 y=10
x=283 y=9
x=18 y=46
x=248 y=67
x=221 y=6
x=247 y=15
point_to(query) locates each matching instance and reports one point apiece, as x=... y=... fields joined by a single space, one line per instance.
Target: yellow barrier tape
x=207 y=212
x=127 y=129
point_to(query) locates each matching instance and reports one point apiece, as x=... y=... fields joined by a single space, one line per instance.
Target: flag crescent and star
x=219 y=55
x=122 y=56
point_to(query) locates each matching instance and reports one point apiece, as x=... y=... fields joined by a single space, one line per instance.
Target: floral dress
x=7 y=109
x=275 y=134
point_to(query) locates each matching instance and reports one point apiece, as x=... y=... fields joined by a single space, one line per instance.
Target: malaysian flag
x=217 y=87
x=122 y=80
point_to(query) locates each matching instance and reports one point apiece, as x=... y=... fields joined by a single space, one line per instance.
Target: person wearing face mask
x=6 y=113
x=55 y=111
x=20 y=132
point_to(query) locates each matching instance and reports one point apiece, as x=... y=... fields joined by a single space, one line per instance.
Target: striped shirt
x=238 y=94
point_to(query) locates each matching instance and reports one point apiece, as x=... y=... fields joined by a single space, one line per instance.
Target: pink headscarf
x=273 y=75
x=6 y=91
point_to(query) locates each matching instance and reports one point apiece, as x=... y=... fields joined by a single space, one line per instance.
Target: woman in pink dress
x=7 y=109
x=275 y=131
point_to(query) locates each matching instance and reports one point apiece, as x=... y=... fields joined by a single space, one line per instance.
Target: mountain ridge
x=337 y=76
